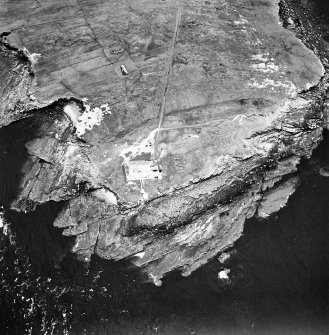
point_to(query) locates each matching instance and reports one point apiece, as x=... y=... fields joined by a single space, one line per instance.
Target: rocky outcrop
x=218 y=96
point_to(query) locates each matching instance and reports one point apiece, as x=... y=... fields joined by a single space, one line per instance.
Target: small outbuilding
x=124 y=71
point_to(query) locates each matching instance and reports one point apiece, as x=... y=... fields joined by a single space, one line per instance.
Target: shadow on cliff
x=13 y=153
x=35 y=234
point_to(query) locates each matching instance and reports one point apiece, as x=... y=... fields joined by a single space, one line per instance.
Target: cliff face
x=16 y=80
x=178 y=120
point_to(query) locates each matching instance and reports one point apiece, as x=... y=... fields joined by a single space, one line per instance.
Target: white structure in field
x=141 y=170
x=124 y=71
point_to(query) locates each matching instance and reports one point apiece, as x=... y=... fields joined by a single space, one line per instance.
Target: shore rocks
x=324 y=172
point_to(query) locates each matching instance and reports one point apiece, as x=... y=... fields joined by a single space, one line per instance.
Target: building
x=141 y=170
x=124 y=71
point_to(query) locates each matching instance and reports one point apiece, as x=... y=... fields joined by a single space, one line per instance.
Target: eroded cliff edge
x=218 y=95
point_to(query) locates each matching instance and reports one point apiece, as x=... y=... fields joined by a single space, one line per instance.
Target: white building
x=141 y=170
